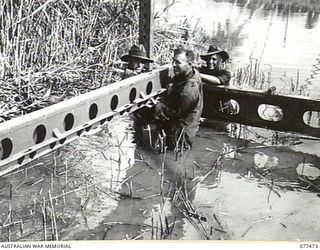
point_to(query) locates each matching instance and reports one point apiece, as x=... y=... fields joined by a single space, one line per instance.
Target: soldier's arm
x=210 y=79
x=222 y=79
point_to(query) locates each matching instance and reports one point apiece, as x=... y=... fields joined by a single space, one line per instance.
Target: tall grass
x=60 y=48
x=52 y=50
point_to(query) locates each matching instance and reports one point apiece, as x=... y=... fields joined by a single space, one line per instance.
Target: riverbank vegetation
x=52 y=50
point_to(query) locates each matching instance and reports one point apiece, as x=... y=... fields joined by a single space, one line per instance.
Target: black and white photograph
x=159 y=121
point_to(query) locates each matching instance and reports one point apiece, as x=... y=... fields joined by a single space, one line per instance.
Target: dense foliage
x=53 y=49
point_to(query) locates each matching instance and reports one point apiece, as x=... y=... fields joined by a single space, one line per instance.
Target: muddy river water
x=282 y=37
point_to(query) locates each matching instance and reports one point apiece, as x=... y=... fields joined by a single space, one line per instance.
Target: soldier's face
x=214 y=62
x=135 y=65
x=180 y=64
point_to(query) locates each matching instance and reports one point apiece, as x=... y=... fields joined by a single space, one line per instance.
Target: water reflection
x=308 y=170
x=312 y=19
x=229 y=151
x=270 y=112
x=260 y=214
x=276 y=33
x=312 y=119
x=261 y=160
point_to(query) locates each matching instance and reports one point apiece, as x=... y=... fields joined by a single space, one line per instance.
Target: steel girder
x=292 y=110
x=33 y=135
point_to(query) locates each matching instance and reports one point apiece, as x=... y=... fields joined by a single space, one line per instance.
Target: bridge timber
x=33 y=135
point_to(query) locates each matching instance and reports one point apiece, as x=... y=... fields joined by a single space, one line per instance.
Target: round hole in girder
x=5 y=148
x=269 y=112
x=39 y=134
x=230 y=107
x=33 y=154
x=114 y=102
x=68 y=122
x=149 y=88
x=133 y=94
x=79 y=132
x=93 y=111
x=52 y=145
x=20 y=160
x=110 y=118
x=312 y=119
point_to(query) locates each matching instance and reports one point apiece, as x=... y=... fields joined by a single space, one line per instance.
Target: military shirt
x=223 y=75
x=185 y=98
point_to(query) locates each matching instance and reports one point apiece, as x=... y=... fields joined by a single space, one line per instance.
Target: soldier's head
x=136 y=58
x=214 y=57
x=183 y=61
x=214 y=62
x=135 y=64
